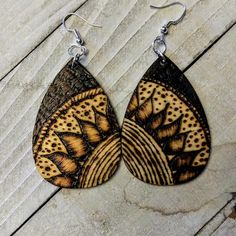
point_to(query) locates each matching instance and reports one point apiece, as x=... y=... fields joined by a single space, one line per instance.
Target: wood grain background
x=34 y=49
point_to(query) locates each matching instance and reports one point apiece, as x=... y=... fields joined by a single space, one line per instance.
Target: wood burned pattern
x=165 y=135
x=76 y=140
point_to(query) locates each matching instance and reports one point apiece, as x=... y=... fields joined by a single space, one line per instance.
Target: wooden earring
x=165 y=134
x=76 y=139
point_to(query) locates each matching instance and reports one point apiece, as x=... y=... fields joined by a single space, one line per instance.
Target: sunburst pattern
x=159 y=115
x=79 y=145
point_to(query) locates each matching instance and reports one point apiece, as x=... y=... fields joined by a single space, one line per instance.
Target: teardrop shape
x=165 y=135
x=76 y=139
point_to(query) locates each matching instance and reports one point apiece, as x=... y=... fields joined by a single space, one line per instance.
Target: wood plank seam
x=210 y=46
x=35 y=212
x=214 y=216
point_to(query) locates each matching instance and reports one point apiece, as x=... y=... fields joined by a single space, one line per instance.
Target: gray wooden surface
x=33 y=50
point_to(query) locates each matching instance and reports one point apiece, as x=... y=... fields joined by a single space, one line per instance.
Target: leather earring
x=165 y=134
x=76 y=139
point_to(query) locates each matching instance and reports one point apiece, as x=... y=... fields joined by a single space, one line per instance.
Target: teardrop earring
x=76 y=139
x=165 y=134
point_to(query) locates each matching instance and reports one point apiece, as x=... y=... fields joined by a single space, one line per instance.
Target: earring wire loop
x=160 y=40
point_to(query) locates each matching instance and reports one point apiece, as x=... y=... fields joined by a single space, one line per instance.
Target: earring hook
x=75 y=31
x=77 y=51
x=173 y=22
x=159 y=41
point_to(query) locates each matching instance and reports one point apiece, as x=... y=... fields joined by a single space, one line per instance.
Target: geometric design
x=165 y=124
x=74 y=120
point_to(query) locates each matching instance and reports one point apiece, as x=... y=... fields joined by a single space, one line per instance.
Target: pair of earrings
x=164 y=139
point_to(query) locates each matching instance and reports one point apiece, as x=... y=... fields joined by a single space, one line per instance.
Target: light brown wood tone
x=165 y=133
x=76 y=139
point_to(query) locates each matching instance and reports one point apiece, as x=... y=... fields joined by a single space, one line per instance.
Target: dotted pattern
x=66 y=123
x=47 y=168
x=51 y=144
x=163 y=96
x=84 y=110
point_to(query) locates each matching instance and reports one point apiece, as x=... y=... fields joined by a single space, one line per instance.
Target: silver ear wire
x=159 y=41
x=173 y=22
x=76 y=51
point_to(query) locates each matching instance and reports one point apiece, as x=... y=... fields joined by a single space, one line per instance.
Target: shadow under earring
x=165 y=134
x=76 y=139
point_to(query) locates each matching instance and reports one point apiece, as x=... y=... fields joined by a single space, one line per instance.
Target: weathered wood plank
x=218 y=222
x=25 y=23
x=228 y=228
x=118 y=65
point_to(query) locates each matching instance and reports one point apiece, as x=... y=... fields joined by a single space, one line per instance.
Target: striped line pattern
x=143 y=157
x=102 y=164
